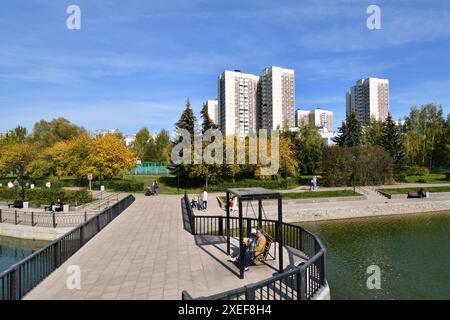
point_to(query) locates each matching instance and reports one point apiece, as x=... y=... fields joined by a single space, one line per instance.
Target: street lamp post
x=21 y=173
x=354 y=173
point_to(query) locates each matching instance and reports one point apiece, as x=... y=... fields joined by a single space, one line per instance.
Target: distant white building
x=302 y=116
x=213 y=110
x=129 y=139
x=328 y=136
x=106 y=132
x=319 y=117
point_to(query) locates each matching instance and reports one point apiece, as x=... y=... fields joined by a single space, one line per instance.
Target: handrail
x=309 y=277
x=22 y=277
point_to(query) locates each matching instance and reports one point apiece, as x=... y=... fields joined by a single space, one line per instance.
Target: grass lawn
x=319 y=194
x=316 y=194
x=431 y=178
x=406 y=190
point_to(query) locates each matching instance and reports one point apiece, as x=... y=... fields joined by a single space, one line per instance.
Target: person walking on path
x=205 y=200
x=155 y=188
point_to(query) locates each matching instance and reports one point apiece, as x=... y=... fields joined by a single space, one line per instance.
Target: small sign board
x=90 y=176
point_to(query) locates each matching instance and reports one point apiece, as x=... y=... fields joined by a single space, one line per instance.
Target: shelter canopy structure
x=254 y=194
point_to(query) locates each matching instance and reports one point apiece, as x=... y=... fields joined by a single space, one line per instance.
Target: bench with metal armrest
x=18 y=204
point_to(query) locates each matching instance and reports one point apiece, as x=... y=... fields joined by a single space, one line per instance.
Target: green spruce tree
x=187 y=120
x=392 y=142
x=351 y=133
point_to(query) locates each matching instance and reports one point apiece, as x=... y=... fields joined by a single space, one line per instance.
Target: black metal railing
x=21 y=278
x=44 y=219
x=301 y=282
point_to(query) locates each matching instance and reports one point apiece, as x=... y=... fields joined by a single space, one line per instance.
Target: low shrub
x=120 y=185
x=47 y=196
x=400 y=177
x=418 y=171
x=252 y=183
x=447 y=176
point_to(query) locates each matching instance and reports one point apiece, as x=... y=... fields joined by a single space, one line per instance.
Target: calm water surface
x=13 y=250
x=412 y=251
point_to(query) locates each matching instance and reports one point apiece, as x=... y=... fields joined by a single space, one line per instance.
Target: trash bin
x=66 y=208
x=25 y=205
x=102 y=188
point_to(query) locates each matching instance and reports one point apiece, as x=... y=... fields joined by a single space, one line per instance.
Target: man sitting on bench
x=258 y=249
x=57 y=207
x=419 y=194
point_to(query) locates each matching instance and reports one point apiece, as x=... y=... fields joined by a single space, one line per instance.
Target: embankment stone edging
x=31 y=233
x=293 y=214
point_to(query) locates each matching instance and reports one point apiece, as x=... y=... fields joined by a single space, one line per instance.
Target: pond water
x=411 y=251
x=13 y=250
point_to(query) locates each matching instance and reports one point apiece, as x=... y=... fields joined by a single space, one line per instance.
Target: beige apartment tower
x=369 y=98
x=277 y=98
x=212 y=106
x=238 y=102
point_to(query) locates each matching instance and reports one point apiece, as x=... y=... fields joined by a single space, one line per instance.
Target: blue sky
x=133 y=63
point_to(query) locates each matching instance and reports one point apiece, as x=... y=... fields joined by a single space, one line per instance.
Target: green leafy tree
x=425 y=126
x=373 y=133
x=46 y=134
x=308 y=148
x=392 y=142
x=163 y=147
x=351 y=133
x=140 y=144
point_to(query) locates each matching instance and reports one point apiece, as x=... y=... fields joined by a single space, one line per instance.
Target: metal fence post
x=302 y=285
x=14 y=285
x=220 y=226
x=250 y=292
x=32 y=218
x=15 y=216
x=82 y=236
x=54 y=219
x=57 y=254
x=85 y=216
x=1 y=220
x=98 y=223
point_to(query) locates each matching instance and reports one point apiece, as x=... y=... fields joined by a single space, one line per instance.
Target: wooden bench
x=263 y=255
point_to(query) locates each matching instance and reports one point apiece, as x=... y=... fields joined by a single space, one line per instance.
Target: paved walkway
x=145 y=253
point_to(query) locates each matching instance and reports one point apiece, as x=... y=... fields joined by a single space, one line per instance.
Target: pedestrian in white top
x=205 y=200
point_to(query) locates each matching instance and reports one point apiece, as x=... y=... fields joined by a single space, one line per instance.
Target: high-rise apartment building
x=238 y=102
x=369 y=98
x=212 y=106
x=277 y=98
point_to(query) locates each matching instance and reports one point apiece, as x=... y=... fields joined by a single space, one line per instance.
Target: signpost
x=90 y=178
